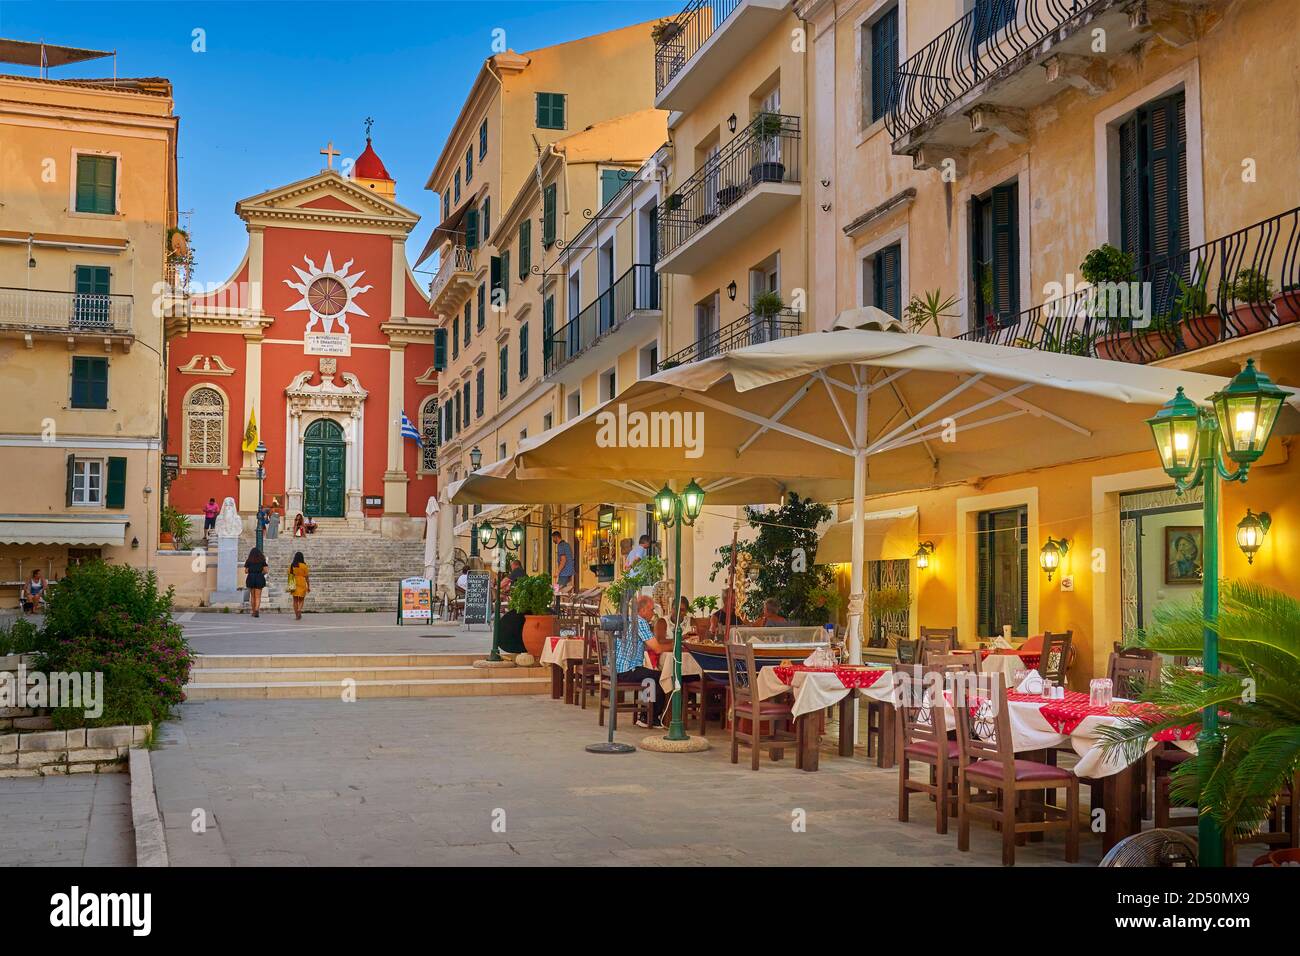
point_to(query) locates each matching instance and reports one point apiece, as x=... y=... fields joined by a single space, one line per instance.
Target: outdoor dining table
x=559 y=652
x=816 y=688
x=1008 y=663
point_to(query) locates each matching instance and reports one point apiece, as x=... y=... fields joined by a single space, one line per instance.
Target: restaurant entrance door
x=1161 y=542
x=889 y=600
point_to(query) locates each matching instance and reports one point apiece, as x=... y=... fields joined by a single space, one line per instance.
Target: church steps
x=326 y=690
x=236 y=675
x=298 y=661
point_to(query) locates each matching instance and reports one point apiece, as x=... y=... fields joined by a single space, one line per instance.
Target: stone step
x=285 y=675
x=331 y=689
x=303 y=661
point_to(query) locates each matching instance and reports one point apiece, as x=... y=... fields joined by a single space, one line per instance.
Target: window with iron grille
x=430 y=435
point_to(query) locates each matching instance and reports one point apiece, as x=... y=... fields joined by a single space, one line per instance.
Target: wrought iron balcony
x=40 y=310
x=992 y=42
x=750 y=329
x=1233 y=286
x=635 y=290
x=457 y=264
x=763 y=160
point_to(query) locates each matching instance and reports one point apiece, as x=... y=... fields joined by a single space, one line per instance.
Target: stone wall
x=89 y=750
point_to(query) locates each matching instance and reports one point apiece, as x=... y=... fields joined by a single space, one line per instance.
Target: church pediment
x=327 y=396
x=326 y=197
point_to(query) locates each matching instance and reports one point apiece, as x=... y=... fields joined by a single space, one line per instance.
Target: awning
x=492 y=514
x=890 y=536
x=77 y=531
x=450 y=227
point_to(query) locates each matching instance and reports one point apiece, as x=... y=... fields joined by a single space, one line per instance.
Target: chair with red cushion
x=627 y=693
x=1057 y=655
x=987 y=762
x=923 y=738
x=745 y=705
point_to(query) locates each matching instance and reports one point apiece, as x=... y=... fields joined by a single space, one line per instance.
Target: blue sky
x=280 y=79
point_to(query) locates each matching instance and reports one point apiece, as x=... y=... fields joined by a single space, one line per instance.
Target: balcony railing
x=42 y=310
x=638 y=288
x=983 y=41
x=751 y=329
x=680 y=38
x=457 y=259
x=766 y=152
x=1235 y=285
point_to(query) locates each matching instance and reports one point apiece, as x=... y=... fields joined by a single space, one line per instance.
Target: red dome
x=369 y=165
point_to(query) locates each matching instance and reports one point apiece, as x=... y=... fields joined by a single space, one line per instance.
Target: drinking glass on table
x=1018 y=677
x=1100 y=692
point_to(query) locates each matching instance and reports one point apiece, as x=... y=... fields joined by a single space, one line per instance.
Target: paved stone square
x=78 y=820
x=330 y=633
x=422 y=781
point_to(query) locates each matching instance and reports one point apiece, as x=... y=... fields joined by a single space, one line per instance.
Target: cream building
x=528 y=178
x=87 y=199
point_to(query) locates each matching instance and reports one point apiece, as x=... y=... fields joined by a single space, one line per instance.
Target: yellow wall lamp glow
x=1049 y=558
x=1250 y=533
x=923 y=553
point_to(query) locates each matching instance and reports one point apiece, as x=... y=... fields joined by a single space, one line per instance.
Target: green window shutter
x=89 y=382
x=984 y=592
x=92 y=280
x=482 y=140
x=1165 y=176
x=480 y=390
x=469 y=309
x=505 y=277
x=611 y=181
x=548 y=329
x=440 y=350
x=115 y=486
x=97 y=184
x=550 y=110
x=888 y=281
x=1022 y=612
x=1006 y=252
x=456 y=183
x=496 y=270
x=503 y=370
x=884 y=62
x=525 y=247
x=455 y=337
x=548 y=215
x=70 y=464
x=523 y=351
x=471 y=229
x=469 y=165
x=1129 y=205
x=484 y=216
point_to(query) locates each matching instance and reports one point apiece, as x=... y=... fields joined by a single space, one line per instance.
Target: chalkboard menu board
x=476 y=597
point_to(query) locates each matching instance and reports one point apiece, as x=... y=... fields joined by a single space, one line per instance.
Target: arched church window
x=205 y=428
x=429 y=434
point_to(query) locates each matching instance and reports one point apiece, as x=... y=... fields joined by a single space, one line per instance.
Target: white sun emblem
x=329 y=294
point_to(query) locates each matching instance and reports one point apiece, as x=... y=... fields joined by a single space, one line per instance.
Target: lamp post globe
x=475 y=458
x=1247 y=411
x=1176 y=430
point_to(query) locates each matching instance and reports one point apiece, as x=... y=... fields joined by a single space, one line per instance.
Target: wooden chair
x=632 y=688
x=1054 y=662
x=937 y=640
x=586 y=672
x=923 y=738
x=745 y=705
x=954 y=660
x=908 y=651
x=1130 y=676
x=987 y=762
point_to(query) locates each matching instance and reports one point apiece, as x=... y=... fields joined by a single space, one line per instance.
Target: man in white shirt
x=637 y=552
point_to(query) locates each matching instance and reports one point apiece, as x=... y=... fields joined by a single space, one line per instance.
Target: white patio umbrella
x=827 y=413
x=431 y=508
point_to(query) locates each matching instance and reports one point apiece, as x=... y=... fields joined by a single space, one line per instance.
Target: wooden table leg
x=846 y=723
x=885 y=755
x=1122 y=805
x=571 y=682
x=557 y=682
x=807 y=734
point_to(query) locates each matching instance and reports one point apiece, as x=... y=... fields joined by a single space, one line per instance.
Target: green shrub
x=19 y=637
x=1251 y=287
x=1107 y=264
x=532 y=595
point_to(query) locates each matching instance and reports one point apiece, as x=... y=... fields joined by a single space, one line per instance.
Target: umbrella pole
x=730 y=603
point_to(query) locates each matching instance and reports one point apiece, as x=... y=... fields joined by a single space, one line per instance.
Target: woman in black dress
x=255 y=579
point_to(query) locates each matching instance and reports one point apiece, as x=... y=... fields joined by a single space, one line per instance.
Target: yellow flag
x=250 y=433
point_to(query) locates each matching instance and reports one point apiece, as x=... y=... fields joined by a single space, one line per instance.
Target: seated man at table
x=630 y=651
x=772 y=616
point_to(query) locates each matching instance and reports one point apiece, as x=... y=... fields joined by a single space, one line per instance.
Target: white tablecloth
x=559 y=650
x=814 y=690
x=690 y=668
x=1006 y=664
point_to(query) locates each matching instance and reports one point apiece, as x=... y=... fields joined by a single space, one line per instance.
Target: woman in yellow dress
x=299 y=583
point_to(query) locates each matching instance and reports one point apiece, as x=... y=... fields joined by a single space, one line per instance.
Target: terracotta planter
x=1200 y=330
x=1135 y=347
x=1289 y=856
x=537 y=628
x=1287 y=306
x=1251 y=318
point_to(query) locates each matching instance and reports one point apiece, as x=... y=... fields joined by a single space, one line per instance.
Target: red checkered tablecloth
x=1030 y=658
x=1067 y=714
x=850 y=677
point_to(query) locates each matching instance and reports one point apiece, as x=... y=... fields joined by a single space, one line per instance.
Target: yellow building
x=528 y=178
x=87 y=199
x=981 y=152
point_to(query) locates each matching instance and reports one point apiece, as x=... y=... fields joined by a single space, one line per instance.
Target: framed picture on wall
x=1183 y=554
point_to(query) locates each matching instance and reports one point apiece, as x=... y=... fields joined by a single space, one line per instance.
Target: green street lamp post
x=677 y=511
x=503 y=539
x=260 y=456
x=1192 y=443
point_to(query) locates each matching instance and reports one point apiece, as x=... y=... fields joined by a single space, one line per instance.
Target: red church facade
x=324 y=338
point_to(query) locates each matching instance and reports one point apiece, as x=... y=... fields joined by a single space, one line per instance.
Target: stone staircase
x=321 y=676
x=352 y=569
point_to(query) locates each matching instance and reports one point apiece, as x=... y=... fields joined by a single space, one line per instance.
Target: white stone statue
x=229 y=524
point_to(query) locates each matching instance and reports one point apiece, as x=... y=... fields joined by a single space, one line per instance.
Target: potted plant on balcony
x=1200 y=324
x=767 y=133
x=1287 y=303
x=1253 y=292
x=673 y=202
x=533 y=597
x=728 y=194
x=665 y=30
x=927 y=310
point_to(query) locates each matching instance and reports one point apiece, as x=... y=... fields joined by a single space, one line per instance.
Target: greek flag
x=409 y=430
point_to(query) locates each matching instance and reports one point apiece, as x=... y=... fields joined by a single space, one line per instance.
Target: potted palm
x=923 y=311
x=1258 y=702
x=174 y=530
x=1252 y=291
x=767 y=133
x=533 y=597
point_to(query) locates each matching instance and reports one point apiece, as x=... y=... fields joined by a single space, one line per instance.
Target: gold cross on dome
x=329 y=152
